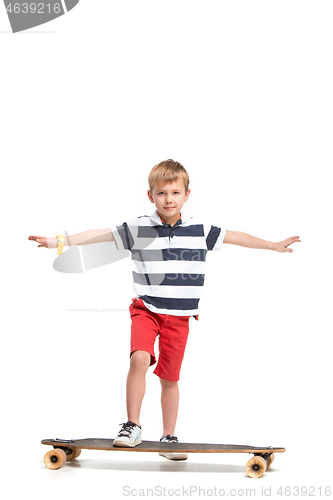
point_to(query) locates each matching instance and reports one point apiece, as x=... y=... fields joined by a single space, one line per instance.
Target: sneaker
x=172 y=456
x=129 y=435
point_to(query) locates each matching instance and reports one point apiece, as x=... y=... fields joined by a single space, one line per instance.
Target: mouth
x=169 y=208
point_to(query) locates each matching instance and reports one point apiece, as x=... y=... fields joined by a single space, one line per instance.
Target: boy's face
x=169 y=199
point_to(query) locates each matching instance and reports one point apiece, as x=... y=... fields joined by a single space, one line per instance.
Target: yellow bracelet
x=61 y=241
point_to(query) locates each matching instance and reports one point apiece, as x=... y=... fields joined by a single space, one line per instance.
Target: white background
x=240 y=92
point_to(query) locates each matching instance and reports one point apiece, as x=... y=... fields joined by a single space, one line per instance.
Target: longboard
x=68 y=450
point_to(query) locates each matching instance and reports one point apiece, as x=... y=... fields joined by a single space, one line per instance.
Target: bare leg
x=136 y=384
x=169 y=402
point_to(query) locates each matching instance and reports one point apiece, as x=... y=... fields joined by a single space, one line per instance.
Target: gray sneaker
x=172 y=456
x=129 y=435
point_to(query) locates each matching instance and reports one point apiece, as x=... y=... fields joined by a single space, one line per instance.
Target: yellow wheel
x=270 y=460
x=74 y=453
x=55 y=458
x=256 y=466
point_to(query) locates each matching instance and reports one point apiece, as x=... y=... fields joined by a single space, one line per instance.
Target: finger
x=35 y=238
x=291 y=240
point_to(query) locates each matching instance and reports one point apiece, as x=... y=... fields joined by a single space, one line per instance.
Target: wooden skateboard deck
x=67 y=450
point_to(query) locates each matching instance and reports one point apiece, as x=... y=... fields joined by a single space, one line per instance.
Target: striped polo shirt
x=168 y=262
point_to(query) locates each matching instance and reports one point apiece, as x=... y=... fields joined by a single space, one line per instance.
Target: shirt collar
x=157 y=220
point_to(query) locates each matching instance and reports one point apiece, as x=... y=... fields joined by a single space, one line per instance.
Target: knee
x=140 y=361
x=167 y=383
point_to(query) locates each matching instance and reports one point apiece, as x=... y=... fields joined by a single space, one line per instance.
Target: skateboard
x=68 y=450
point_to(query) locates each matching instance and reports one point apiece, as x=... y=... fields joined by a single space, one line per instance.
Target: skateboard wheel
x=55 y=458
x=270 y=460
x=256 y=466
x=72 y=454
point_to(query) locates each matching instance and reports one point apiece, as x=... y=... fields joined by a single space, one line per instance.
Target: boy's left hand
x=282 y=246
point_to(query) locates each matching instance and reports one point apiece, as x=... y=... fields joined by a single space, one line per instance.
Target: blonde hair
x=168 y=171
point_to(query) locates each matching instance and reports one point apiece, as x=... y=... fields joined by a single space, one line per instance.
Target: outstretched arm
x=246 y=240
x=85 y=238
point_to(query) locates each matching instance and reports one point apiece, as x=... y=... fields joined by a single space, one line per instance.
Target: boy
x=168 y=255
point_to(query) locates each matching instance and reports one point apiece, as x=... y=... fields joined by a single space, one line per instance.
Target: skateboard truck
x=268 y=457
x=69 y=454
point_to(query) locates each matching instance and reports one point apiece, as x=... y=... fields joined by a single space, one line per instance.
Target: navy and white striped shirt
x=168 y=262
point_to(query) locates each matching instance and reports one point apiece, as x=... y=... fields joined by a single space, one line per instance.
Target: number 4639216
x=34 y=8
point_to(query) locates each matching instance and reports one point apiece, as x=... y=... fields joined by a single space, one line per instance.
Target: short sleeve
x=215 y=237
x=123 y=234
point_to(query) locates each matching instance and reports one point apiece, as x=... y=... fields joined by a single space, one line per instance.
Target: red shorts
x=172 y=331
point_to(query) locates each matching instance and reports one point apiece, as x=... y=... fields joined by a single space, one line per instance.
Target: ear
x=187 y=195
x=150 y=196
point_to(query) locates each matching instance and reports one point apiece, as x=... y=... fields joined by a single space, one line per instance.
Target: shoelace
x=126 y=429
x=169 y=439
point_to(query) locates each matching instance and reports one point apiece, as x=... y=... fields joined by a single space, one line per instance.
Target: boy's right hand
x=44 y=241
